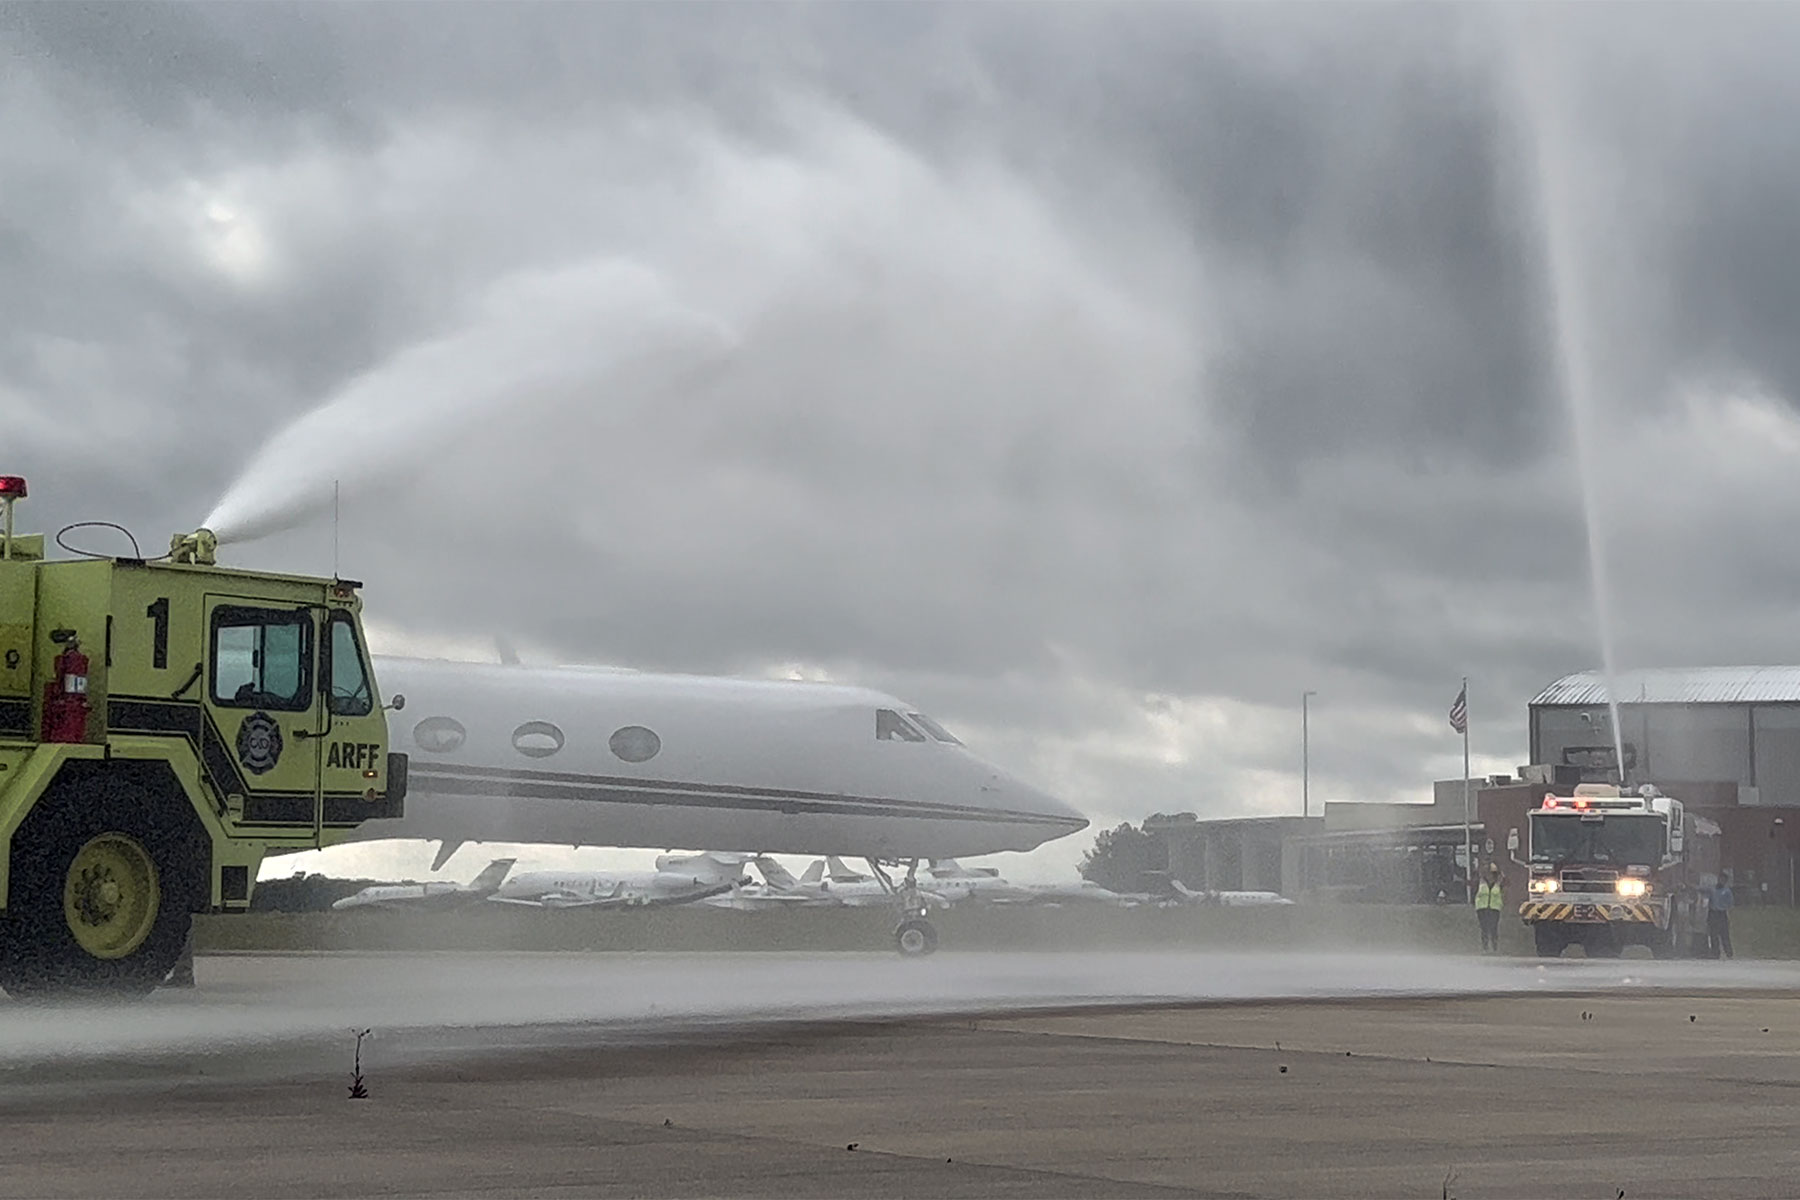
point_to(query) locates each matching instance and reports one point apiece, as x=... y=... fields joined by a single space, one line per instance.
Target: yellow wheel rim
x=110 y=898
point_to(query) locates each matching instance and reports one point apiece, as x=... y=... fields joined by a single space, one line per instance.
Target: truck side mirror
x=1675 y=839
x=1512 y=841
x=397 y=703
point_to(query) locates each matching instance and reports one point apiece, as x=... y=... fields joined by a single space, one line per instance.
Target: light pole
x=1305 y=756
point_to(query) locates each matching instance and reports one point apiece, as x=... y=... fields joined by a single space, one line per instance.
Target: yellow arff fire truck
x=1610 y=870
x=164 y=724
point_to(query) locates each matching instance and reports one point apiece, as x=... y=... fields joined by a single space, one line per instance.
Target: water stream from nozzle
x=1545 y=110
x=581 y=335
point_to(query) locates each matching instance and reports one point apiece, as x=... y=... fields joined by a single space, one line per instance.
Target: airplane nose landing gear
x=915 y=937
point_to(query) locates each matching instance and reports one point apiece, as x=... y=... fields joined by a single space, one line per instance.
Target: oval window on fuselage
x=439 y=735
x=635 y=744
x=537 y=739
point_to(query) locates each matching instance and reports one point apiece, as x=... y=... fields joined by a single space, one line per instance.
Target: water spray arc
x=591 y=333
x=1571 y=304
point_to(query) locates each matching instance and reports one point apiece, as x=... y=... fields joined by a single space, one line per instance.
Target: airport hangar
x=1723 y=740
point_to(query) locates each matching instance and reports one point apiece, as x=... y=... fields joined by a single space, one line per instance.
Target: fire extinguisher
x=65 y=697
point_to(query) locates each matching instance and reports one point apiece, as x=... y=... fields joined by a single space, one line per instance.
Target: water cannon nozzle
x=199 y=548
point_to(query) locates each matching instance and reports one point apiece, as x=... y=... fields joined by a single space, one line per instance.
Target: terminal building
x=1723 y=740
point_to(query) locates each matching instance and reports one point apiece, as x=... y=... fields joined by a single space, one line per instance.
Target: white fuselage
x=1248 y=899
x=994 y=890
x=577 y=757
x=577 y=889
x=989 y=888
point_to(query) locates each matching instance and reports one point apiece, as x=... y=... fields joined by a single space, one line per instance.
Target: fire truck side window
x=262 y=658
x=351 y=695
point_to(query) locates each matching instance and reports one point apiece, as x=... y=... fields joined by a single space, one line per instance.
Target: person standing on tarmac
x=1718 y=917
x=1487 y=909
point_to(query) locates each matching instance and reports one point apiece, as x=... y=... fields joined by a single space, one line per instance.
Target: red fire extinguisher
x=65 y=697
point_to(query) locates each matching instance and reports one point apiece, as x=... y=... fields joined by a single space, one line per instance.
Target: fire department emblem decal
x=259 y=743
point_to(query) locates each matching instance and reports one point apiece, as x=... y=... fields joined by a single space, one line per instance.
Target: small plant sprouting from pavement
x=358 y=1089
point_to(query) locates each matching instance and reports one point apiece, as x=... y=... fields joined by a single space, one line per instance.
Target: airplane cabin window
x=635 y=744
x=440 y=735
x=890 y=726
x=934 y=729
x=537 y=739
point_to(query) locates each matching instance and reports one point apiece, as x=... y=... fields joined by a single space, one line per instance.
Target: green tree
x=1121 y=860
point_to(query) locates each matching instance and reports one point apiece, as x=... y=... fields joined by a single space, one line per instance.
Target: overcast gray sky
x=1098 y=377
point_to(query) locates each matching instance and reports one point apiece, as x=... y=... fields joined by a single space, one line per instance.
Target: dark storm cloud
x=1103 y=376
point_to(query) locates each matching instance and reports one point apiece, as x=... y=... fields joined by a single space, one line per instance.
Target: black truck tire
x=1549 y=940
x=100 y=897
x=1602 y=941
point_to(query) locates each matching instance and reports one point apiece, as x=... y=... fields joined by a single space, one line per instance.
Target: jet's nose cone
x=1056 y=806
x=1041 y=804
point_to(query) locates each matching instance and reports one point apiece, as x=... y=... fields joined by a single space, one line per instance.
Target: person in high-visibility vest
x=1487 y=908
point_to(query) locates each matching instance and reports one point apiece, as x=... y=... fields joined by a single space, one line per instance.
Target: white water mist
x=1546 y=112
x=580 y=335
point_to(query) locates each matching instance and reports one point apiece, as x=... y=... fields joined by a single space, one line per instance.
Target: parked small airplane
x=1229 y=899
x=431 y=895
x=779 y=888
x=588 y=757
x=826 y=884
x=678 y=879
x=956 y=882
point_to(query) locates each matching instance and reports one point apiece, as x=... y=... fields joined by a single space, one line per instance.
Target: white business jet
x=433 y=895
x=842 y=887
x=587 y=757
x=678 y=879
x=957 y=883
x=778 y=890
x=1229 y=899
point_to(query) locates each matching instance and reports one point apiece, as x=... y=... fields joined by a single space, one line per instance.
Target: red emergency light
x=1581 y=804
x=12 y=487
x=1549 y=801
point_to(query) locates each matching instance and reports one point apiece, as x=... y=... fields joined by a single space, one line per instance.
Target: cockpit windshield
x=890 y=726
x=934 y=729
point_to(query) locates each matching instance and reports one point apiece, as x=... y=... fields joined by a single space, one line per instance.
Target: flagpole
x=1468 y=841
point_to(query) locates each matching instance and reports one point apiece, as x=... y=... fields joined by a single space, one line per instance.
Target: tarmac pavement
x=1679 y=1087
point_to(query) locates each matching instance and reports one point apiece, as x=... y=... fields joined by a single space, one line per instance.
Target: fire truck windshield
x=1620 y=839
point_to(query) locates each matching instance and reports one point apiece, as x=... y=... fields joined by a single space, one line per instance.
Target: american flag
x=1459 y=712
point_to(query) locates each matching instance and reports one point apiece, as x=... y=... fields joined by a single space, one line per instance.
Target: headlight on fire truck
x=1632 y=887
x=1543 y=883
